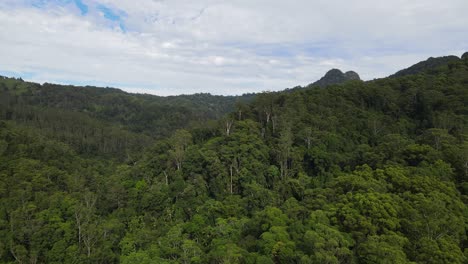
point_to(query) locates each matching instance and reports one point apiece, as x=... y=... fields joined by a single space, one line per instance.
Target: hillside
x=430 y=64
x=357 y=172
x=106 y=120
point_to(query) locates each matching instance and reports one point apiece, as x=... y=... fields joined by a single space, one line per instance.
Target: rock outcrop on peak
x=336 y=76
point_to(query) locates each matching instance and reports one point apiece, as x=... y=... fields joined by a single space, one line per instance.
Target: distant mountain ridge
x=428 y=65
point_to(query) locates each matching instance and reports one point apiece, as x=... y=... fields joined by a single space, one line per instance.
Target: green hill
x=431 y=64
x=106 y=121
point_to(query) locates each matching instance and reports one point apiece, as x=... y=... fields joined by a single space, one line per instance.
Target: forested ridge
x=106 y=121
x=359 y=172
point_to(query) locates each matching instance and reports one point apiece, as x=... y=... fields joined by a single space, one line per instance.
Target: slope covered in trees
x=427 y=65
x=105 y=120
x=361 y=172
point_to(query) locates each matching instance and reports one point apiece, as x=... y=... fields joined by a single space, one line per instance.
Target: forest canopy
x=355 y=172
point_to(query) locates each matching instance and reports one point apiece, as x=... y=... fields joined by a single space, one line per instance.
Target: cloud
x=221 y=47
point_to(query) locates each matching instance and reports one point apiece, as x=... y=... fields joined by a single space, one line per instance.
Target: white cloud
x=181 y=46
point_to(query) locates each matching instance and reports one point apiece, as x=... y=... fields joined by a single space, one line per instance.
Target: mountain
x=336 y=76
x=361 y=172
x=464 y=56
x=428 y=65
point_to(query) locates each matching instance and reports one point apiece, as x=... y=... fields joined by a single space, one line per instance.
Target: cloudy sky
x=221 y=47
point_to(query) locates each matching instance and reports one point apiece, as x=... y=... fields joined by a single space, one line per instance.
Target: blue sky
x=168 y=47
x=82 y=6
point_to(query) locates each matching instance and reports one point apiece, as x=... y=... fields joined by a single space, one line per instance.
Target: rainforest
x=347 y=171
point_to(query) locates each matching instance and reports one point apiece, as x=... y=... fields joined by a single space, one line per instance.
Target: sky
x=221 y=47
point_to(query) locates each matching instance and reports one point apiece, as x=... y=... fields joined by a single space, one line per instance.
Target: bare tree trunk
x=282 y=170
x=230 y=170
x=89 y=251
x=437 y=142
x=273 y=123
x=228 y=127
x=33 y=260
x=167 y=179
x=78 y=223
x=14 y=256
x=267 y=116
x=375 y=127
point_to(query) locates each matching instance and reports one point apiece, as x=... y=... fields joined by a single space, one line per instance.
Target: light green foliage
x=324 y=243
x=387 y=248
x=277 y=244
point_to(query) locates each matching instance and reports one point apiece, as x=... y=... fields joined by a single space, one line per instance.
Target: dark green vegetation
x=430 y=64
x=106 y=121
x=362 y=172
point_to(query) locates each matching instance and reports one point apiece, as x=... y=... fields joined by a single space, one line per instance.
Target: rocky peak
x=465 y=55
x=336 y=76
x=352 y=75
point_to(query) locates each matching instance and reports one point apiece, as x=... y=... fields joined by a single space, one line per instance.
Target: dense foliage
x=105 y=120
x=427 y=65
x=363 y=172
